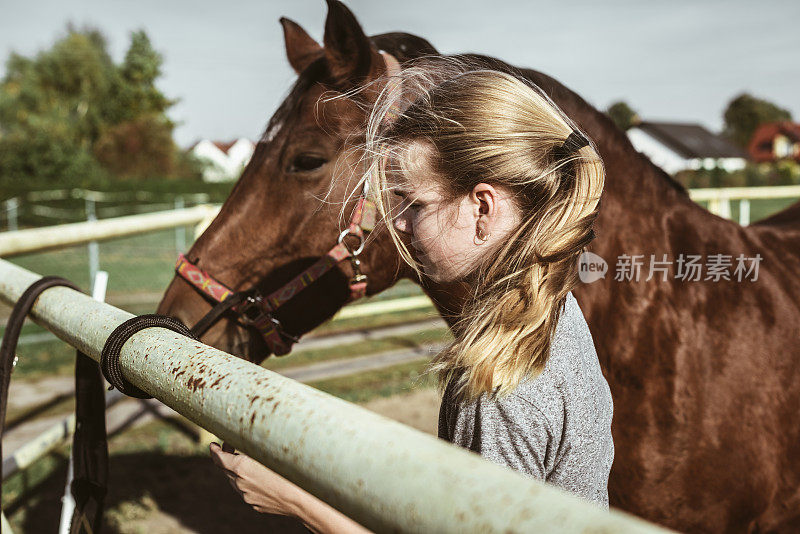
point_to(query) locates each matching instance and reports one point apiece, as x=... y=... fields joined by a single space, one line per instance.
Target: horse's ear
x=351 y=56
x=301 y=49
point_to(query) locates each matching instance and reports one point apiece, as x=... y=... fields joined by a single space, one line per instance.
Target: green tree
x=745 y=113
x=68 y=112
x=53 y=106
x=139 y=71
x=622 y=115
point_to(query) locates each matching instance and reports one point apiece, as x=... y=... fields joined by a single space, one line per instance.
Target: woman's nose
x=402 y=224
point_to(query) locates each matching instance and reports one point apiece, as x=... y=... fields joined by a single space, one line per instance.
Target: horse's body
x=704 y=374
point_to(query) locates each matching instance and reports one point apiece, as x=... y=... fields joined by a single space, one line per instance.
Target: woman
x=485 y=184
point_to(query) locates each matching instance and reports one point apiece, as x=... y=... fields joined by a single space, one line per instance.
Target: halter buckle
x=360 y=237
x=358 y=276
x=252 y=310
x=252 y=313
x=282 y=332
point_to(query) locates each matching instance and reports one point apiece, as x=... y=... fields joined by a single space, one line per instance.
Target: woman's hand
x=269 y=493
x=260 y=487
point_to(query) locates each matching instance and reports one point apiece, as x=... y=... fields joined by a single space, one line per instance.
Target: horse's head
x=274 y=225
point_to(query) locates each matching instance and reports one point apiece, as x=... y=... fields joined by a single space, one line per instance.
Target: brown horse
x=704 y=374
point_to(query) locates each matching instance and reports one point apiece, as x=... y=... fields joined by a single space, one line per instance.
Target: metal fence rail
x=64 y=235
x=383 y=474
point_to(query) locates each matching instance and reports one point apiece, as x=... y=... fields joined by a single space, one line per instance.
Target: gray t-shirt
x=555 y=427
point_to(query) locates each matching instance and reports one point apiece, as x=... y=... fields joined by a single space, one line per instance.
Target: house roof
x=760 y=146
x=224 y=146
x=691 y=140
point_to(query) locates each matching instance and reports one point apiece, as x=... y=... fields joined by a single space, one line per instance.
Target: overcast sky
x=675 y=61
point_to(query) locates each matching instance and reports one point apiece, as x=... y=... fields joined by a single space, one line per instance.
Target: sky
x=679 y=61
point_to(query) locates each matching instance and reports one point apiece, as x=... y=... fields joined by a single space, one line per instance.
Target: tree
x=70 y=111
x=622 y=115
x=139 y=147
x=745 y=113
x=140 y=70
x=53 y=106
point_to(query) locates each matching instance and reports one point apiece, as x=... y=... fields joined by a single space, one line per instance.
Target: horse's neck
x=639 y=199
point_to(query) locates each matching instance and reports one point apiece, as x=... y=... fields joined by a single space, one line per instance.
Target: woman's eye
x=306 y=163
x=414 y=206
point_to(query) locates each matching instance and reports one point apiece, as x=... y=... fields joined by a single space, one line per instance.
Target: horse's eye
x=306 y=163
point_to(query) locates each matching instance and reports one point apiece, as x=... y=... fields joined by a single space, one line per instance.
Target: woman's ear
x=484 y=198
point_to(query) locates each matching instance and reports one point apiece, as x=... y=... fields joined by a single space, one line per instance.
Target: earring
x=481 y=232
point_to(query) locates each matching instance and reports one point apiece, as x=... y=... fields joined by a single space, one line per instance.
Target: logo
x=591 y=267
x=684 y=267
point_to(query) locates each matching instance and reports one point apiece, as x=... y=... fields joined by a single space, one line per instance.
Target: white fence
x=719 y=199
x=64 y=235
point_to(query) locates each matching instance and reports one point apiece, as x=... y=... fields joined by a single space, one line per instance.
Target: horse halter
x=256 y=310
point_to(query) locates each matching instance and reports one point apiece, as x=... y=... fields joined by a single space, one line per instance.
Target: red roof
x=761 y=144
x=224 y=146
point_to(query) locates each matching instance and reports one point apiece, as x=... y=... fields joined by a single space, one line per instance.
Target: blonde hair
x=491 y=126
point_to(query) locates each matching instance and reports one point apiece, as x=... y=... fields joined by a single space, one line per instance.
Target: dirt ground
x=156 y=493
x=419 y=409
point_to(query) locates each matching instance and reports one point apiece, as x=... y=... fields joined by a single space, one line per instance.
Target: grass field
x=136 y=264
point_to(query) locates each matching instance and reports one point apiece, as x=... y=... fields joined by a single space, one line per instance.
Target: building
x=227 y=160
x=775 y=140
x=677 y=146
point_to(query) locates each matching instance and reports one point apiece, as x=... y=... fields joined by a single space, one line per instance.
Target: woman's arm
x=269 y=493
x=321 y=517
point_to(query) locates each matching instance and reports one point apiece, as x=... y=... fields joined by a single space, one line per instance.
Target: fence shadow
x=185 y=493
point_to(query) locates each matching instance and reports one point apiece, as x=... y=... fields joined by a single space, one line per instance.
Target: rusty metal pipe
x=385 y=475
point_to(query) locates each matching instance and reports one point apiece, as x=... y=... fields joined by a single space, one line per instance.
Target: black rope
x=109 y=358
x=89 y=446
x=89 y=443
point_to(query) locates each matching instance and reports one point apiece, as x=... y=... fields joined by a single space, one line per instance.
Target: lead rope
x=109 y=357
x=89 y=443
